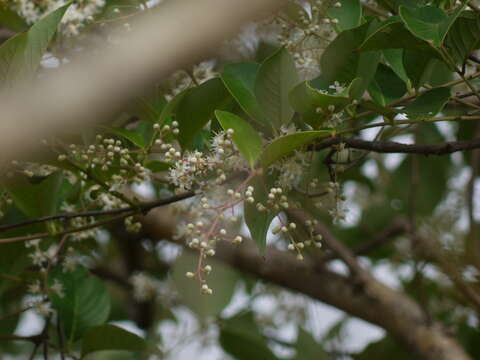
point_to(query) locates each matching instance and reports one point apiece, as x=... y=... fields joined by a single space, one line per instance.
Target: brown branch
x=395 y=147
x=373 y=301
x=398 y=227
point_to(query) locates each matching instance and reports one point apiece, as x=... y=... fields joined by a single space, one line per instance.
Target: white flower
x=57 y=288
x=144 y=286
x=43 y=308
x=35 y=287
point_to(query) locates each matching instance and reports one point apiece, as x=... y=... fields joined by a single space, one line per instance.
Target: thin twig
x=140 y=208
x=387 y=147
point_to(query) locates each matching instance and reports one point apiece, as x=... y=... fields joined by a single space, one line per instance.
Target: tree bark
x=361 y=296
x=371 y=301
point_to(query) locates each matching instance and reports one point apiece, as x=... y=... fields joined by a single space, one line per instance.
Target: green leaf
x=110 y=337
x=241 y=338
x=386 y=87
x=393 y=5
x=378 y=109
x=258 y=222
x=343 y=63
x=394 y=58
x=392 y=34
x=308 y=348
x=378 y=349
x=276 y=78
x=349 y=15
x=428 y=104
x=169 y=110
x=197 y=107
x=36 y=200
x=39 y=37
x=86 y=302
x=464 y=36
x=245 y=137
x=11 y=62
x=10 y=19
x=429 y=23
x=422 y=69
x=20 y=56
x=305 y=100
x=284 y=145
x=156 y=166
x=132 y=136
x=222 y=280
x=240 y=79
x=150 y=106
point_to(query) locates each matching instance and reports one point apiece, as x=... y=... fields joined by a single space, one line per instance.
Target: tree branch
x=373 y=301
x=395 y=147
x=143 y=208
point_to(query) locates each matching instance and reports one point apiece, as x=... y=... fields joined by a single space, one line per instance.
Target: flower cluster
x=77 y=16
x=39 y=290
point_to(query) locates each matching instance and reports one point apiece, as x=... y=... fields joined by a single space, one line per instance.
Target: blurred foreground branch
x=97 y=84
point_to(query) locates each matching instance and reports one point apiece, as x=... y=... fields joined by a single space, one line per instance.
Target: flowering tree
x=323 y=143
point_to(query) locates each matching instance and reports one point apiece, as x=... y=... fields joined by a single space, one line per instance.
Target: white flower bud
x=238 y=239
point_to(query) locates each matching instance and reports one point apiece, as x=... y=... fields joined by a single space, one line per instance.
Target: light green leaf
x=429 y=23
x=349 y=15
x=222 y=280
x=241 y=338
x=258 y=222
x=86 y=302
x=276 y=78
x=39 y=37
x=305 y=100
x=196 y=108
x=36 y=199
x=20 y=56
x=11 y=62
x=428 y=104
x=111 y=337
x=284 y=145
x=240 y=79
x=132 y=136
x=245 y=137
